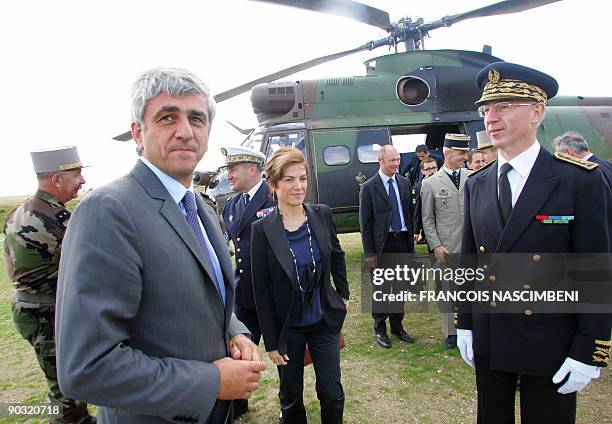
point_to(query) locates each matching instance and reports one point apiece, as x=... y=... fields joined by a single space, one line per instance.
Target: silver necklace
x=314 y=265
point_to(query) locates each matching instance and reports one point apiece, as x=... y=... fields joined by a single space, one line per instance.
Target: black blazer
x=605 y=166
x=274 y=277
x=533 y=341
x=239 y=230
x=375 y=212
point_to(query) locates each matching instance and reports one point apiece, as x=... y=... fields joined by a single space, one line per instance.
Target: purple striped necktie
x=192 y=218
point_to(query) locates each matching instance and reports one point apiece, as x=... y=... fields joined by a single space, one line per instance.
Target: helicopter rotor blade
x=126 y=136
x=346 y=8
x=500 y=8
x=297 y=68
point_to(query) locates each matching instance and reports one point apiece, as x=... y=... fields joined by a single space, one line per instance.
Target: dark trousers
x=540 y=402
x=324 y=347
x=400 y=243
x=248 y=316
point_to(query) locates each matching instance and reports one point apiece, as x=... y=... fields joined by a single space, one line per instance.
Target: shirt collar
x=386 y=178
x=175 y=189
x=523 y=162
x=448 y=171
x=587 y=156
x=254 y=190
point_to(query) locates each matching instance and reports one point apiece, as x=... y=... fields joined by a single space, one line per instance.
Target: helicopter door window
x=368 y=153
x=336 y=155
x=291 y=139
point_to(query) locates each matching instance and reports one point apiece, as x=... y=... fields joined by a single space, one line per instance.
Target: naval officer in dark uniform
x=556 y=355
x=252 y=201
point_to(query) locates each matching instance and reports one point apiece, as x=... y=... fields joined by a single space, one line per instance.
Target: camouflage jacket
x=34 y=233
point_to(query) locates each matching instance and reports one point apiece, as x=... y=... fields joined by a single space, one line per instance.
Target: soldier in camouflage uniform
x=32 y=247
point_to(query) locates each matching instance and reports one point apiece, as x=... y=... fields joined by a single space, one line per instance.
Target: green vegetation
x=418 y=383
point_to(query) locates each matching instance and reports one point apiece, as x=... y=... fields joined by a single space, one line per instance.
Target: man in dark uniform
x=506 y=206
x=244 y=168
x=385 y=219
x=34 y=234
x=573 y=144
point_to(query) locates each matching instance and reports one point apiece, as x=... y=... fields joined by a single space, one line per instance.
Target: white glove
x=579 y=375
x=464 y=343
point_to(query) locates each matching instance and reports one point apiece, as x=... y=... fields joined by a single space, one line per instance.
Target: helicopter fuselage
x=404 y=99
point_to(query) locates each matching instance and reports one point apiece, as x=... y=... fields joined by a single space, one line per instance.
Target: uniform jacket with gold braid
x=532 y=341
x=239 y=230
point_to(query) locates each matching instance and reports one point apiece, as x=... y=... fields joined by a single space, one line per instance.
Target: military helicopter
x=339 y=123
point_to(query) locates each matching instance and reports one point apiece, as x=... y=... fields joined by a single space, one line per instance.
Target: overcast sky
x=68 y=66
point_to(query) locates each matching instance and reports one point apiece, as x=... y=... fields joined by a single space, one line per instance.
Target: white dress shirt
x=385 y=180
x=252 y=191
x=521 y=168
x=177 y=192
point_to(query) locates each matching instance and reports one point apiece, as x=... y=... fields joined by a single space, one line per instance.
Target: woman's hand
x=277 y=358
x=346 y=303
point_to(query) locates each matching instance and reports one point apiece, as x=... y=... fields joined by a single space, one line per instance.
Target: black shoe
x=405 y=337
x=383 y=340
x=450 y=342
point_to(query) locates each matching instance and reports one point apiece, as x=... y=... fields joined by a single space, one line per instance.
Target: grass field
x=418 y=383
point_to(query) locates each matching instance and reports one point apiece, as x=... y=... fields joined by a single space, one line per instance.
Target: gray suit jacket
x=442 y=210
x=138 y=319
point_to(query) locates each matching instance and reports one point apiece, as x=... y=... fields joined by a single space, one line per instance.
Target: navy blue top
x=302 y=312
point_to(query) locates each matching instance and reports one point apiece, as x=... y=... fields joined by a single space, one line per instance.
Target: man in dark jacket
x=536 y=206
x=385 y=219
x=244 y=168
x=573 y=144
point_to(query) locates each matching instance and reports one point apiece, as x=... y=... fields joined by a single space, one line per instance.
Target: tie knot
x=246 y=198
x=454 y=173
x=390 y=181
x=189 y=201
x=505 y=168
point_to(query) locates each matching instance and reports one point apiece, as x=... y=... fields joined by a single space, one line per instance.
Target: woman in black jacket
x=293 y=252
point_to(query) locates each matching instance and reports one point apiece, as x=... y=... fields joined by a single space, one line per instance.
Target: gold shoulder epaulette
x=484 y=167
x=576 y=161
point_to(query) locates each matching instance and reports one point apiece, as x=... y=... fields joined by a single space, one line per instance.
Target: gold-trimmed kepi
x=508 y=81
x=56 y=159
x=457 y=141
x=242 y=155
x=483 y=140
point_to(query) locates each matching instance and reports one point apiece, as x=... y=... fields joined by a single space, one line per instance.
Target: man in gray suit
x=144 y=326
x=442 y=212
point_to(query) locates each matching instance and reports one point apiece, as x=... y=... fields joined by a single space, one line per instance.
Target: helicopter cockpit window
x=368 y=153
x=336 y=155
x=253 y=142
x=291 y=139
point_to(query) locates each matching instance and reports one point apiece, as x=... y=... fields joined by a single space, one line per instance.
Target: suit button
x=238 y=250
x=526 y=286
x=241 y=271
x=528 y=312
x=492 y=278
x=238 y=239
x=493 y=304
x=239 y=261
x=536 y=258
x=482 y=249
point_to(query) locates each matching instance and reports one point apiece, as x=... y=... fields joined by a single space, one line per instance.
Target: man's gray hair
x=571 y=140
x=174 y=81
